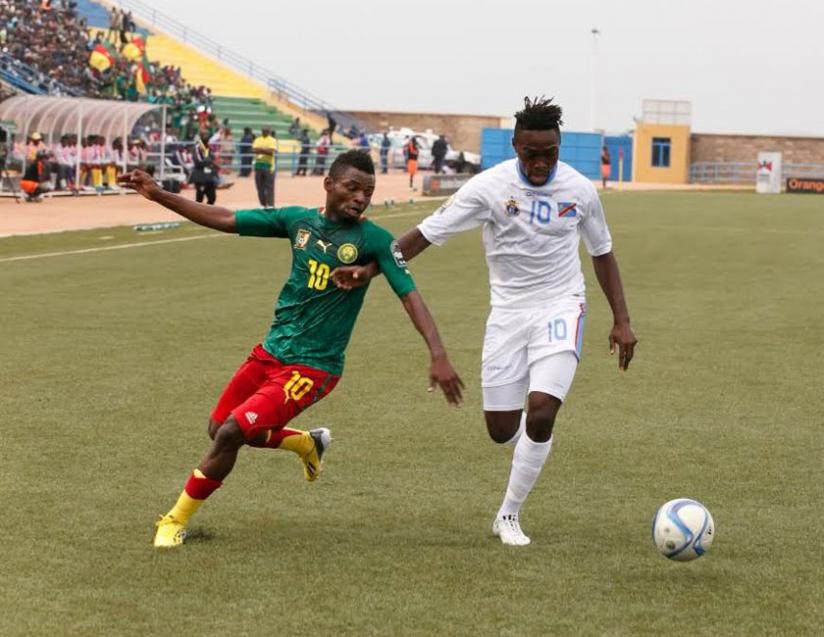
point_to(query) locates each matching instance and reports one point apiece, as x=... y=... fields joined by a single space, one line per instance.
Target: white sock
x=527 y=461
x=511 y=442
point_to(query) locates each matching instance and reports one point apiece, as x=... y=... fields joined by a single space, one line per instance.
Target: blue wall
x=614 y=145
x=496 y=146
x=582 y=151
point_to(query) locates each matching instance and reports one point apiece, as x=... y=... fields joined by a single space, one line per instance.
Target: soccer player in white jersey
x=533 y=210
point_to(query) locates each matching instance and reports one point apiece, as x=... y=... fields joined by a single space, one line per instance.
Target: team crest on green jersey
x=347 y=253
x=302 y=239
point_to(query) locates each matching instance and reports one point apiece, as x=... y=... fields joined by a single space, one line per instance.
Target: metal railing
x=723 y=172
x=237 y=162
x=243 y=65
x=744 y=172
x=804 y=171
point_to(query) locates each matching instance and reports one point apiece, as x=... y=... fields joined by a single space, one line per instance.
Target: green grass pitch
x=110 y=362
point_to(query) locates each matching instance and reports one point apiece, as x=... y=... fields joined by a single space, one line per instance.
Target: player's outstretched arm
x=213 y=217
x=440 y=371
x=348 y=277
x=609 y=278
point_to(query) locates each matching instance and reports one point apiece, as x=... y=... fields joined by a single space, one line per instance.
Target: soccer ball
x=683 y=529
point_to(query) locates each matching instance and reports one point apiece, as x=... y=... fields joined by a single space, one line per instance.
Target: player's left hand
x=441 y=373
x=622 y=337
x=349 y=277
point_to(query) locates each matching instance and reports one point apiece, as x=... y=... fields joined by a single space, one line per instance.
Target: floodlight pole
x=592 y=79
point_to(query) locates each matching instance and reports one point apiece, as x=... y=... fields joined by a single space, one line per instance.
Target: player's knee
x=539 y=426
x=229 y=435
x=499 y=434
x=502 y=426
x=540 y=419
x=212 y=428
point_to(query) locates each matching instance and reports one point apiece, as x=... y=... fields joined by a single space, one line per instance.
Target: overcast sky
x=748 y=66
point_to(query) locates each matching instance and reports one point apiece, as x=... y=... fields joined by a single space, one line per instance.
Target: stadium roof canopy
x=56 y=116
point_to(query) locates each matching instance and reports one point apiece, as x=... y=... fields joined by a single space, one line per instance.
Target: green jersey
x=313 y=318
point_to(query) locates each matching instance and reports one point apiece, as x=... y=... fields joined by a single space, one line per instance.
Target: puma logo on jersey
x=251 y=417
x=323 y=245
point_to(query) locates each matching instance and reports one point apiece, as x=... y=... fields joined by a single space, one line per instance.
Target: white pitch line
x=46 y=255
x=123 y=246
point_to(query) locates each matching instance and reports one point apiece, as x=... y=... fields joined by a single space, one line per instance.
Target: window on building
x=661 y=151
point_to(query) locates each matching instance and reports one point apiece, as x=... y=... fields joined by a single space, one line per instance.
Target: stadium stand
x=99 y=49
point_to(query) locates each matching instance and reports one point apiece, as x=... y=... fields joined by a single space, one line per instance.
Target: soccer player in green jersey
x=301 y=359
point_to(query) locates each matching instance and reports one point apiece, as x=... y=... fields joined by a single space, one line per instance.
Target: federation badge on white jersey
x=512 y=209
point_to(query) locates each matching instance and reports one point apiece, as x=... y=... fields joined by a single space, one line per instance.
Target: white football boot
x=508 y=528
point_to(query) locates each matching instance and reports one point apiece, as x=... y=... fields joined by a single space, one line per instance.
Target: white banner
x=768 y=176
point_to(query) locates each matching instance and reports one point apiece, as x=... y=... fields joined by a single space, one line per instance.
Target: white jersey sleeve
x=464 y=210
x=593 y=227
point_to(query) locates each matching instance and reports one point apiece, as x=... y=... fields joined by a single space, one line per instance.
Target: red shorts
x=266 y=394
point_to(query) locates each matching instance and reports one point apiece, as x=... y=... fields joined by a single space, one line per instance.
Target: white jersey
x=530 y=233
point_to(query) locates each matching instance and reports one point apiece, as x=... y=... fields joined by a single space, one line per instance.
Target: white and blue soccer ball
x=683 y=529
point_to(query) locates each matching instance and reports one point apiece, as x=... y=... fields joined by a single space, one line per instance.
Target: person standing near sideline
x=386 y=144
x=439 y=150
x=331 y=125
x=321 y=151
x=245 y=150
x=605 y=166
x=204 y=171
x=412 y=153
x=264 y=148
x=305 y=151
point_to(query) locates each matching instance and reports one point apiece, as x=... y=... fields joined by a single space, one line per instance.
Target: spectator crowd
x=51 y=38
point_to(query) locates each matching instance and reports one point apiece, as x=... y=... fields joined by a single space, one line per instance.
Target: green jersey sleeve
x=390 y=259
x=266 y=222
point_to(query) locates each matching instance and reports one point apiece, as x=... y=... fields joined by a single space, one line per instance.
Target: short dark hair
x=352 y=158
x=539 y=114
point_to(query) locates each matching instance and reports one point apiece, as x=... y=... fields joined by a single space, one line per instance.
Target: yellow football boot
x=312 y=460
x=170 y=533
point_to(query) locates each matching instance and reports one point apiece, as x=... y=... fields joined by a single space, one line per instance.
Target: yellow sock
x=186 y=505
x=294 y=440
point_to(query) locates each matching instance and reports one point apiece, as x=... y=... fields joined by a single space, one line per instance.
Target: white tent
x=56 y=116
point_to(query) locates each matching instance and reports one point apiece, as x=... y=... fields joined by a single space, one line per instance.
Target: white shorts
x=531 y=350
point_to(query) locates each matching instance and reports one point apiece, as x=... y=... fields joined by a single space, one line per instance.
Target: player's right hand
x=140 y=181
x=349 y=277
x=441 y=373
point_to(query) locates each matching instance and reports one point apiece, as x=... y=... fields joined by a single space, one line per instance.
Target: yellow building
x=661 y=153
